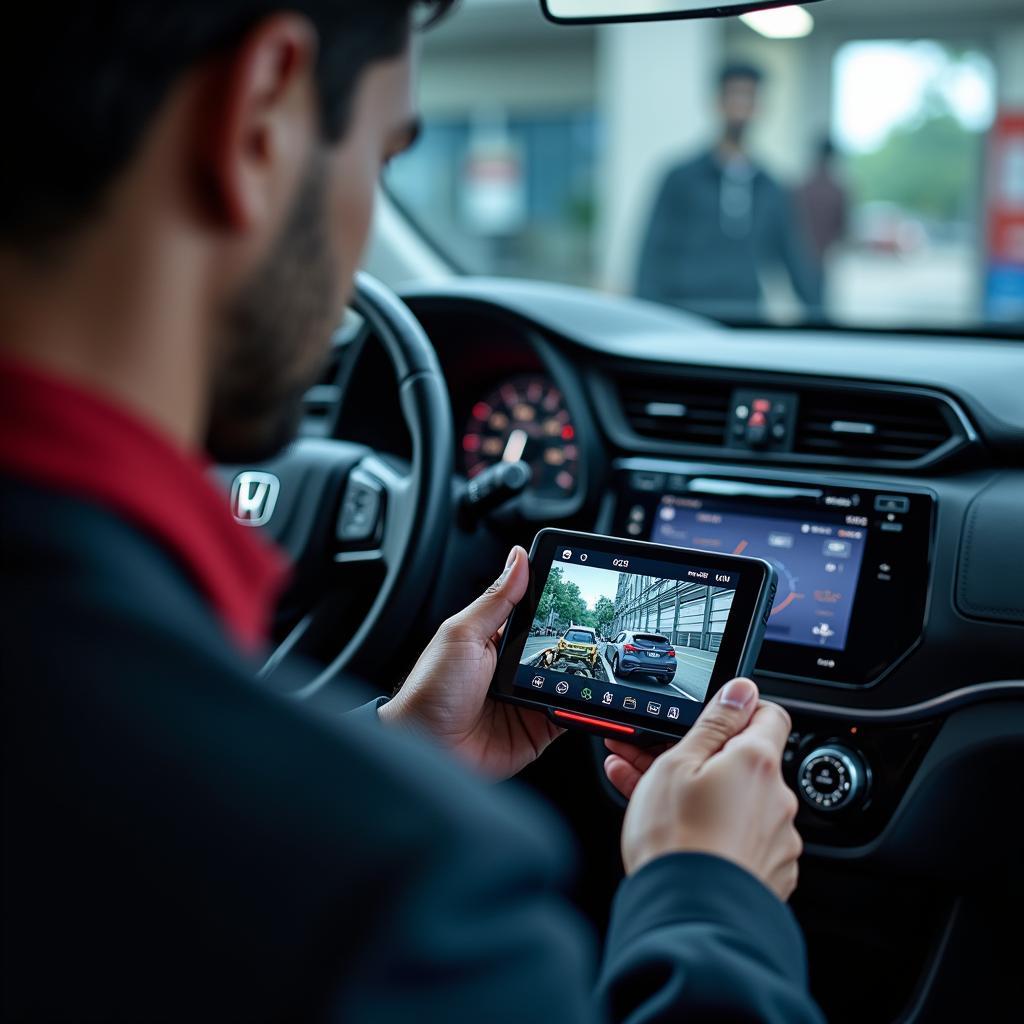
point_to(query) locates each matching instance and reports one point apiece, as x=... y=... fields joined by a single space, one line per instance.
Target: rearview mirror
x=580 y=12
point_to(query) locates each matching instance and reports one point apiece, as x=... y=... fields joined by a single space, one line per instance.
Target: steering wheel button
x=360 y=509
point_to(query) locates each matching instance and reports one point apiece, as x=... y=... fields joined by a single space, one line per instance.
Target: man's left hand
x=445 y=695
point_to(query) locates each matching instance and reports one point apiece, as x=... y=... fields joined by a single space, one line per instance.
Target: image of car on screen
x=575 y=651
x=651 y=632
x=579 y=644
x=648 y=654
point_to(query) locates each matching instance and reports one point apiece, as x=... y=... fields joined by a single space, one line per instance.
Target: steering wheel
x=352 y=518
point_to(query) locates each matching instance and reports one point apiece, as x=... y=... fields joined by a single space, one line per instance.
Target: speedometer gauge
x=524 y=419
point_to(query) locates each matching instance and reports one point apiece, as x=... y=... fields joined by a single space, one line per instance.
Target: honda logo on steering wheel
x=253 y=497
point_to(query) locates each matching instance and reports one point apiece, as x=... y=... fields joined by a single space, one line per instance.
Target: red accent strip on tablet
x=587 y=720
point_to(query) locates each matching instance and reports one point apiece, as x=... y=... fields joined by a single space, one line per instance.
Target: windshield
x=579 y=636
x=868 y=173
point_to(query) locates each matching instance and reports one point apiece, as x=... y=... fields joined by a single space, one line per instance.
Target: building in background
x=687 y=614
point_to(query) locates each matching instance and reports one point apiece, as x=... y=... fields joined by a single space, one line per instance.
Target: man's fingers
x=641 y=758
x=482 y=619
x=621 y=774
x=770 y=727
x=726 y=716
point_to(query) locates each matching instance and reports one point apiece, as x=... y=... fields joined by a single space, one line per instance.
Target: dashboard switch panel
x=762 y=420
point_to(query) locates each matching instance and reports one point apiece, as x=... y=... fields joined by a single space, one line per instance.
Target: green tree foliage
x=562 y=603
x=930 y=169
x=552 y=586
x=569 y=605
x=928 y=165
x=604 y=614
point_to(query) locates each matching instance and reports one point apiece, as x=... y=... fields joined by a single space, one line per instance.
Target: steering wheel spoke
x=373 y=522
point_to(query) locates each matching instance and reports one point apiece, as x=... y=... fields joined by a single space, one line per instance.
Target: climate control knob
x=832 y=778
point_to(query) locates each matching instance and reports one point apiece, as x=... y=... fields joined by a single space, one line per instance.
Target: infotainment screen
x=852 y=560
x=818 y=561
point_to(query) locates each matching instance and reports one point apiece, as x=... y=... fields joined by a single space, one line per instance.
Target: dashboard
x=883 y=476
x=855 y=463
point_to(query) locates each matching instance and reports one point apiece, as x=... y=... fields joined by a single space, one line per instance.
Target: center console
x=853 y=561
x=854 y=564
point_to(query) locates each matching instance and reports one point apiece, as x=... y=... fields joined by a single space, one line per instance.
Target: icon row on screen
x=629 y=703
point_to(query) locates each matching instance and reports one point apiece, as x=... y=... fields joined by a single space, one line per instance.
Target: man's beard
x=278 y=329
x=736 y=132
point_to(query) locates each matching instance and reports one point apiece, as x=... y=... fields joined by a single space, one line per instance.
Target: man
x=188 y=207
x=720 y=221
x=823 y=205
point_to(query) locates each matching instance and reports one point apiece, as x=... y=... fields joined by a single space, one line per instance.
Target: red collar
x=75 y=441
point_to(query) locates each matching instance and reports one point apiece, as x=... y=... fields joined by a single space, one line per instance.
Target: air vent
x=871 y=426
x=682 y=410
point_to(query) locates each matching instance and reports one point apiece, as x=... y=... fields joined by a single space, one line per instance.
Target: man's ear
x=260 y=123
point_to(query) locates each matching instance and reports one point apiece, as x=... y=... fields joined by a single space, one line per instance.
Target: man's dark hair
x=739 y=70
x=83 y=81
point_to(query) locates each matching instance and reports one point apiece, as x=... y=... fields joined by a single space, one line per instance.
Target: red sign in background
x=1004 y=218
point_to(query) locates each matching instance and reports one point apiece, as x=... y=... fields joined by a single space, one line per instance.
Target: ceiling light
x=780 y=22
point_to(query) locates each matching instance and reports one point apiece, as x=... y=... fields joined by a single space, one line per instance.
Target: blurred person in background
x=720 y=221
x=823 y=204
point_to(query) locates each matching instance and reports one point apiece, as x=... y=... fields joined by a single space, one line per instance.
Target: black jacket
x=698 y=256
x=179 y=843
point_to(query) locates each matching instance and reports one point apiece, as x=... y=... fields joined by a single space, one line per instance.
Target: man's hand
x=445 y=695
x=719 y=790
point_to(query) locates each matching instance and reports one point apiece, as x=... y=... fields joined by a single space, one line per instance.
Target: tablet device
x=630 y=639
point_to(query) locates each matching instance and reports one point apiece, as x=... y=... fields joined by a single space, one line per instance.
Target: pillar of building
x=655 y=85
x=705 y=633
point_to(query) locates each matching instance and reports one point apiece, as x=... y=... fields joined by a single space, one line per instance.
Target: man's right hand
x=719 y=790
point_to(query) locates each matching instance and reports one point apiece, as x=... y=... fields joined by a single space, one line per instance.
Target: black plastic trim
x=606 y=398
x=926 y=710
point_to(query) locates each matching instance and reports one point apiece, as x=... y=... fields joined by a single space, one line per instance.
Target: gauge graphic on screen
x=524 y=419
x=788 y=591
